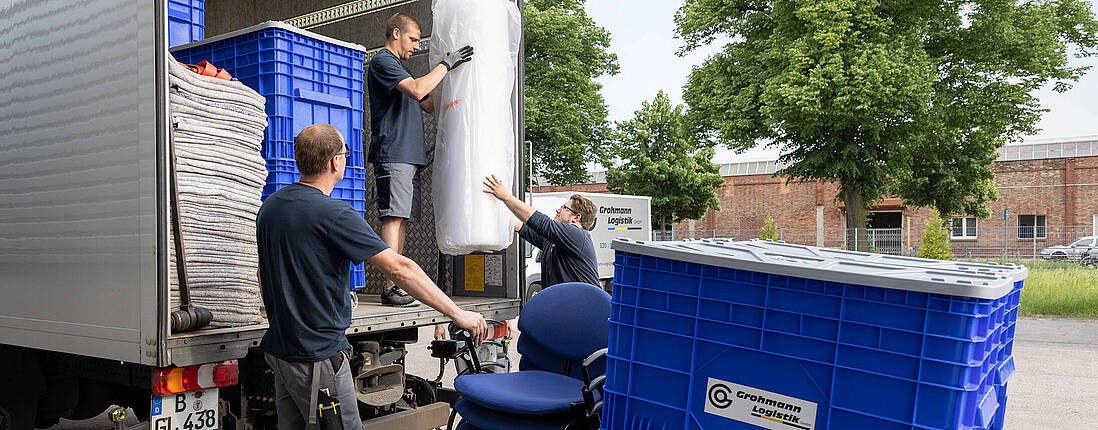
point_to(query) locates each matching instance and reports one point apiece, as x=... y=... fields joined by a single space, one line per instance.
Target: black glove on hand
x=456 y=58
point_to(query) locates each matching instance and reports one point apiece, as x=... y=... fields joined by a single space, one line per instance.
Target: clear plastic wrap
x=476 y=135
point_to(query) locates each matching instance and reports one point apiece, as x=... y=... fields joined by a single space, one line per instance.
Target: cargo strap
x=177 y=227
x=206 y=69
x=314 y=392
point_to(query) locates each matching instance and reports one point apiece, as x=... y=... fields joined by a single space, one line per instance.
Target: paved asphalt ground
x=1056 y=382
x=1055 y=385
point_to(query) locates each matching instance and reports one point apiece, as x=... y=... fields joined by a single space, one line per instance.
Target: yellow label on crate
x=474 y=273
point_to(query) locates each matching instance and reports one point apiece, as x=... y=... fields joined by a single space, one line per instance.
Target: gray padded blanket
x=218 y=128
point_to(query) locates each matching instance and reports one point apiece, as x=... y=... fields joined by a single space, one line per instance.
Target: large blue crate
x=352 y=189
x=695 y=324
x=186 y=21
x=306 y=79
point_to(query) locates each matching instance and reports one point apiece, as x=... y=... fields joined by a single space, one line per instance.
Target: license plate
x=193 y=410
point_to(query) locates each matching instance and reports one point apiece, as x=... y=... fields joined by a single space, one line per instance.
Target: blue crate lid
x=982 y=281
x=269 y=25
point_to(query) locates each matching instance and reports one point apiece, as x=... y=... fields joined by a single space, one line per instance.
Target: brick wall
x=1034 y=187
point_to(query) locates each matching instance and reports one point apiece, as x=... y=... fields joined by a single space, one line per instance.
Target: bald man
x=306 y=241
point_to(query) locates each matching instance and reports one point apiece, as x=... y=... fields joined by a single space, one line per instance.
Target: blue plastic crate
x=864 y=356
x=351 y=190
x=306 y=79
x=186 y=21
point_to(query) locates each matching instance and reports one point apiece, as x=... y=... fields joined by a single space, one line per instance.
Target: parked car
x=1070 y=252
x=1090 y=259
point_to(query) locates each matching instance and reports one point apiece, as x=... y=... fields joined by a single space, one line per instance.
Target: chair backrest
x=561 y=324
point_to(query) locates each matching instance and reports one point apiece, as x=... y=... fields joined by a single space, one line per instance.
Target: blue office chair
x=559 y=385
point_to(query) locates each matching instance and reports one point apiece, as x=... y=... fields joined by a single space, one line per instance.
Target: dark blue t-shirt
x=307 y=241
x=396 y=126
x=567 y=252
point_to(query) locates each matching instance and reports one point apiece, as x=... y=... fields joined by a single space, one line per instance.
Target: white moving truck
x=618 y=216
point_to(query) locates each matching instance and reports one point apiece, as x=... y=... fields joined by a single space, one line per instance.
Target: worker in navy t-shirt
x=397 y=147
x=567 y=251
x=307 y=241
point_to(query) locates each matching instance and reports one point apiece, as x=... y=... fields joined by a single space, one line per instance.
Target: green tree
x=935 y=244
x=911 y=98
x=565 y=114
x=661 y=157
x=768 y=231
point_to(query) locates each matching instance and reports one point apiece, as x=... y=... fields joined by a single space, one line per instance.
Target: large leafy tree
x=888 y=96
x=661 y=157
x=565 y=114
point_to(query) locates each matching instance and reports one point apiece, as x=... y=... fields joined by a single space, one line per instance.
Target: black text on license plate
x=193 y=410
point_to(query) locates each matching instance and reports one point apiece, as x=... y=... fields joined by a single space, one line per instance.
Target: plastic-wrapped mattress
x=217 y=128
x=476 y=135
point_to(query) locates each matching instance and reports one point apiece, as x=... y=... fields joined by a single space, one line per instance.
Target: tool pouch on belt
x=325 y=411
x=328 y=414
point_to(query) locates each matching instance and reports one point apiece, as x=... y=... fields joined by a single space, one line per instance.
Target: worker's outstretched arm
x=420 y=87
x=497 y=189
x=409 y=276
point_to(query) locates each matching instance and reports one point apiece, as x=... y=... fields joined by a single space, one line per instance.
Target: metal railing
x=986 y=241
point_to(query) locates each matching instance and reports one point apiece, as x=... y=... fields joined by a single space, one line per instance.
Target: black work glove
x=453 y=59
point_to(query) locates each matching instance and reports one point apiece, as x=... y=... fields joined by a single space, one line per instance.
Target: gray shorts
x=398 y=192
x=293 y=381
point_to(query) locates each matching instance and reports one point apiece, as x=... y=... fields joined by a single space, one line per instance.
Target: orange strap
x=207 y=69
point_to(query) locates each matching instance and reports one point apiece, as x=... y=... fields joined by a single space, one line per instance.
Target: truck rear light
x=210 y=375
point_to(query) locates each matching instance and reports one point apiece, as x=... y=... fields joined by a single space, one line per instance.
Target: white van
x=618 y=216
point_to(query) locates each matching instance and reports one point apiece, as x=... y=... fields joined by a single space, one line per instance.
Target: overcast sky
x=642 y=35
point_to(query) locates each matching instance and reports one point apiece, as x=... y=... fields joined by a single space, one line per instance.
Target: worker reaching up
x=397 y=146
x=567 y=251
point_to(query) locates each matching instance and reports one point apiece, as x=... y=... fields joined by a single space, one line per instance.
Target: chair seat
x=533 y=392
x=465 y=425
x=475 y=417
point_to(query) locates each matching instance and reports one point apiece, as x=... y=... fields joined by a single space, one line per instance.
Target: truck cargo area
x=212 y=344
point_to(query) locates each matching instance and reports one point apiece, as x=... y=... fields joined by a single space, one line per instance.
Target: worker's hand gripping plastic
x=457 y=58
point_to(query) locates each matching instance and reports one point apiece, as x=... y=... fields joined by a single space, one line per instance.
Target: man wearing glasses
x=397 y=148
x=306 y=242
x=567 y=251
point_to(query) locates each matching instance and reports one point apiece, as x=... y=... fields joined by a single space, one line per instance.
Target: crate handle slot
x=1005 y=371
x=319 y=97
x=986 y=411
x=179 y=14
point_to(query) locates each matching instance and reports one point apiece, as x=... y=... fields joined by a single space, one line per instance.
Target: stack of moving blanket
x=218 y=127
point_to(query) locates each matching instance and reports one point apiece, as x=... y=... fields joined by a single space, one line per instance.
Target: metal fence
x=982 y=241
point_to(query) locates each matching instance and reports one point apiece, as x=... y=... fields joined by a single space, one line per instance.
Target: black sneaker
x=395 y=296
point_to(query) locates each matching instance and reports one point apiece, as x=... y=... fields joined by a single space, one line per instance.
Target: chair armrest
x=594 y=356
x=597 y=383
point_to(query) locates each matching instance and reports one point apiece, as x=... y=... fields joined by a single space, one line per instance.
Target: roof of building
x=1031 y=149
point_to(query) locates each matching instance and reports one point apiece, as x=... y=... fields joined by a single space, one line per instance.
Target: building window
x=963 y=228
x=1031 y=226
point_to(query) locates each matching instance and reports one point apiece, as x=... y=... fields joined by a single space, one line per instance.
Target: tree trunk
x=857 y=237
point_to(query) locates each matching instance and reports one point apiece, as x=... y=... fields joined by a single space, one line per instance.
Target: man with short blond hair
x=397 y=147
x=307 y=241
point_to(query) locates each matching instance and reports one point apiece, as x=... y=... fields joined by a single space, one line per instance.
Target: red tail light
x=180 y=379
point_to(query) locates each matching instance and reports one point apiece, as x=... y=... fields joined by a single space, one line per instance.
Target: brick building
x=1049 y=189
